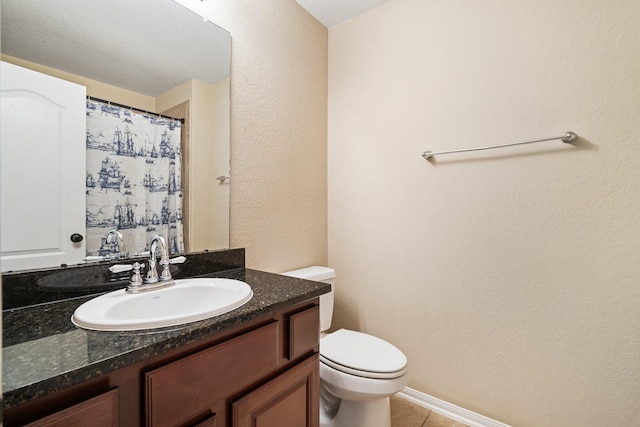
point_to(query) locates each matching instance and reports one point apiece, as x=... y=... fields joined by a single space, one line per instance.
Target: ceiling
x=333 y=12
x=148 y=46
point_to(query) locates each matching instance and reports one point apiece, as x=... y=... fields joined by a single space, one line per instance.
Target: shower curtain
x=133 y=179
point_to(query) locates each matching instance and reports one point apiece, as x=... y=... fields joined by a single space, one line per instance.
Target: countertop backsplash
x=31 y=287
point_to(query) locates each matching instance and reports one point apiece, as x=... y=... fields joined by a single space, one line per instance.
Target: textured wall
x=510 y=278
x=278 y=132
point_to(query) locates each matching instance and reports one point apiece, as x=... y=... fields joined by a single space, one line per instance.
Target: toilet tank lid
x=315 y=272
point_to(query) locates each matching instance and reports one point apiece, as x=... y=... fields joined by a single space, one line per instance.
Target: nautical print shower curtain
x=134 y=182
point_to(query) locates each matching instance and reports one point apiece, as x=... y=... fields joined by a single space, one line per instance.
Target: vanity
x=255 y=364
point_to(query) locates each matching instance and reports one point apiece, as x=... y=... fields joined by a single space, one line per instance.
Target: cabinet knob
x=76 y=238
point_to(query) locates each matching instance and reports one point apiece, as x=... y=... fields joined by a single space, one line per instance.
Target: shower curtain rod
x=128 y=107
x=567 y=137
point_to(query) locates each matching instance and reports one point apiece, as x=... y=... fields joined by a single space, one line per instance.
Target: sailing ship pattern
x=133 y=180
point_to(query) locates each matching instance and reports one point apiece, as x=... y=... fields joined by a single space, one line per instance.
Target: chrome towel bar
x=567 y=137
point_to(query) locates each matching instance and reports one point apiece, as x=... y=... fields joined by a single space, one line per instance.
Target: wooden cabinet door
x=179 y=391
x=290 y=400
x=304 y=332
x=100 y=411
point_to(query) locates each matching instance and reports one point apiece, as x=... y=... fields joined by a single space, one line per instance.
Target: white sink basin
x=189 y=300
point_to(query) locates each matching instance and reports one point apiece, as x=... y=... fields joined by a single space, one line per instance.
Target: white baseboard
x=447 y=409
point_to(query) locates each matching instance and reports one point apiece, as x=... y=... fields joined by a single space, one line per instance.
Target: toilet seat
x=364 y=355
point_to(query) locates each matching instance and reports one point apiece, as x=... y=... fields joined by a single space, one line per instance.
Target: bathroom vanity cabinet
x=265 y=372
x=200 y=387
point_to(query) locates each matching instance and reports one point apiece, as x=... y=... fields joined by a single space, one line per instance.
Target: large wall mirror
x=152 y=56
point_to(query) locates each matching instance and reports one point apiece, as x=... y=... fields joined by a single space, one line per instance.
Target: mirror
x=152 y=55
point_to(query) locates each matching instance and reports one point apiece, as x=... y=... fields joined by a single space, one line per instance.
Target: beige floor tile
x=437 y=420
x=406 y=414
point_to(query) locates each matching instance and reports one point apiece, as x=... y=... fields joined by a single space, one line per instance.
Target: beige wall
x=278 y=132
x=510 y=278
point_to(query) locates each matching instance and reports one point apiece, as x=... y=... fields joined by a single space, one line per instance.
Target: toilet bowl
x=358 y=372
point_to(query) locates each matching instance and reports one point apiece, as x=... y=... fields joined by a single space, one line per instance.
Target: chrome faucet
x=152 y=280
x=115 y=236
x=165 y=278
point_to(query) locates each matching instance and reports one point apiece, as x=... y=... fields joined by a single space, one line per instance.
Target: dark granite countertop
x=44 y=352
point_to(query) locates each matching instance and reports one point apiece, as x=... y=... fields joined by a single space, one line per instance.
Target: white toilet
x=358 y=372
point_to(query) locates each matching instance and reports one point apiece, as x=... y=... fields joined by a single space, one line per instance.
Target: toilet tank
x=319 y=274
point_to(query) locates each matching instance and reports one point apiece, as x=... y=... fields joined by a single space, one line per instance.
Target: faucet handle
x=166 y=272
x=136 y=279
x=165 y=263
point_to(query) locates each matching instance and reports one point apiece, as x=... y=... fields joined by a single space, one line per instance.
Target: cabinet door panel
x=290 y=400
x=180 y=390
x=304 y=332
x=100 y=411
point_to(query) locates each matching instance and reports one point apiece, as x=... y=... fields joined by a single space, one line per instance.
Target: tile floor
x=406 y=414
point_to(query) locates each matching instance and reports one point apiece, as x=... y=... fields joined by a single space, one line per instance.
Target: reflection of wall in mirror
x=206 y=154
x=208 y=117
x=94 y=88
